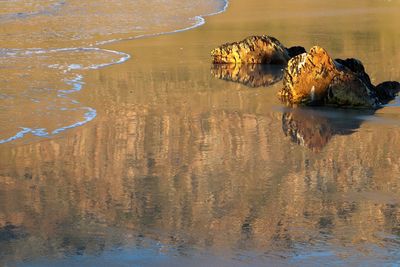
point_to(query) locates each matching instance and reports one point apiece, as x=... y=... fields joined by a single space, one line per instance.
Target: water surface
x=182 y=168
x=48 y=46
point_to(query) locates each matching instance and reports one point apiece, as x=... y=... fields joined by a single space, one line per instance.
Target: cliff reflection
x=219 y=179
x=315 y=127
x=251 y=75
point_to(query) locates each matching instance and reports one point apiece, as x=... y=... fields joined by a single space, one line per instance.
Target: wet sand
x=180 y=167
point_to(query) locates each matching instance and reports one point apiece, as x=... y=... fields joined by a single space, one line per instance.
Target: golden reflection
x=199 y=180
x=178 y=157
x=252 y=75
x=315 y=127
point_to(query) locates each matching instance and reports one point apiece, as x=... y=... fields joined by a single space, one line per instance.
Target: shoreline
x=194 y=43
x=21 y=131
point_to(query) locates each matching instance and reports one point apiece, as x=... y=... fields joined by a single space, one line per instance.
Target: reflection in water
x=314 y=127
x=179 y=165
x=252 y=75
x=10 y=232
x=198 y=181
x=309 y=127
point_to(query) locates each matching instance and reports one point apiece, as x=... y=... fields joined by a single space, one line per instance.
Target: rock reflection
x=205 y=180
x=315 y=127
x=251 y=75
x=183 y=178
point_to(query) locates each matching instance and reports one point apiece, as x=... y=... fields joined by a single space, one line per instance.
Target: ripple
x=38 y=83
x=43 y=105
x=23 y=9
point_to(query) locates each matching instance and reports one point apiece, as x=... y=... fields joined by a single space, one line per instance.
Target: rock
x=295 y=51
x=357 y=68
x=347 y=90
x=387 y=91
x=254 y=49
x=314 y=78
x=307 y=77
x=252 y=75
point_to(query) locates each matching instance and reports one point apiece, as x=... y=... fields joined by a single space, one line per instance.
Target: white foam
x=89 y=115
x=77 y=82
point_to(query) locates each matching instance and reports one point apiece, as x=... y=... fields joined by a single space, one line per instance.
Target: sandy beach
x=182 y=168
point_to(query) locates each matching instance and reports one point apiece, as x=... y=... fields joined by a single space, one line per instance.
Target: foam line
x=37 y=51
x=89 y=115
x=77 y=83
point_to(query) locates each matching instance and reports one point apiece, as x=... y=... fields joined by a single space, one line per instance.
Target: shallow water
x=48 y=46
x=182 y=168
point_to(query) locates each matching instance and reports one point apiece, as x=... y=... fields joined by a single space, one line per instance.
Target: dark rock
x=296 y=50
x=347 y=90
x=357 y=68
x=387 y=91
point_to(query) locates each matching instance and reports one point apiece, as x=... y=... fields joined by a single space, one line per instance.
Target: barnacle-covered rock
x=314 y=78
x=307 y=77
x=254 y=49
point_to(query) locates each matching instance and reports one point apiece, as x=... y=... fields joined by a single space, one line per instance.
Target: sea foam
x=46 y=65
